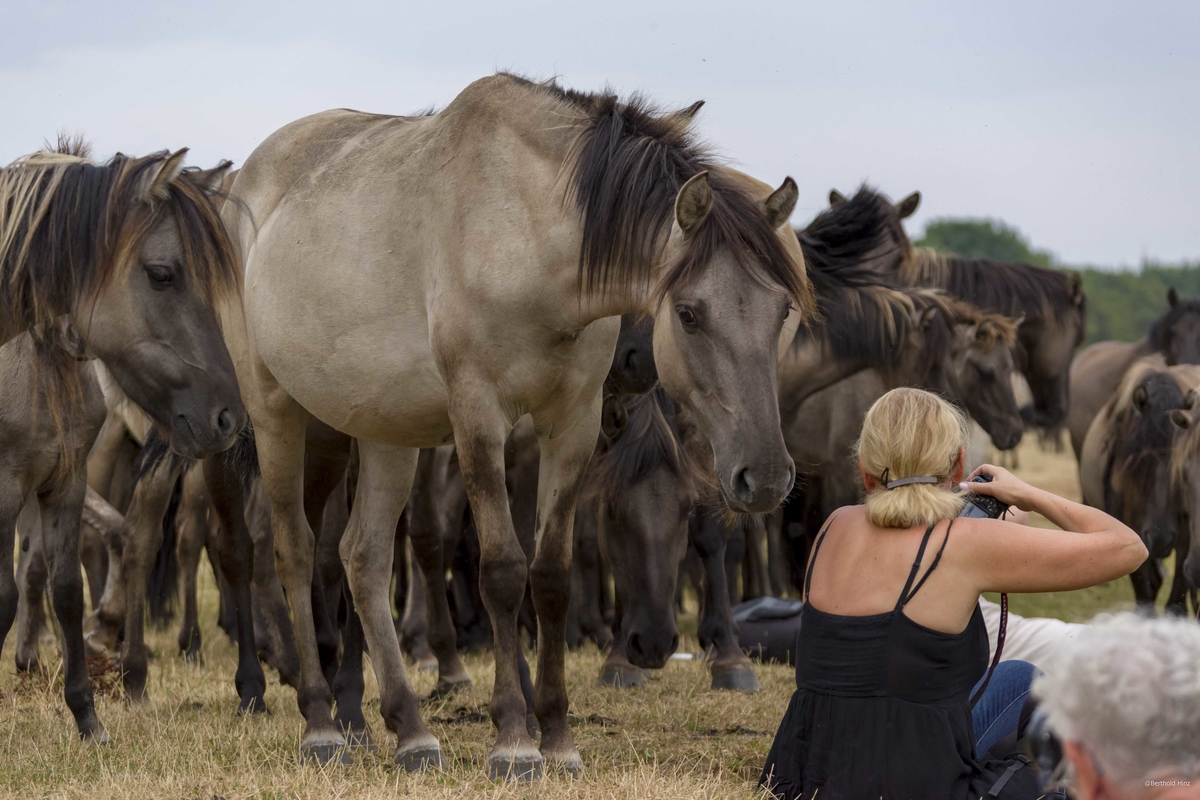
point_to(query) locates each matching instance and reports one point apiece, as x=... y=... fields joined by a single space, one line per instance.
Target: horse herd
x=542 y=341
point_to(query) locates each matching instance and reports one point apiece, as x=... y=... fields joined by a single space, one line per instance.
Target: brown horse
x=1185 y=483
x=1051 y=303
x=1126 y=458
x=432 y=335
x=1097 y=370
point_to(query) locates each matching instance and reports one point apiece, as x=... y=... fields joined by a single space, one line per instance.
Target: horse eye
x=160 y=277
x=687 y=317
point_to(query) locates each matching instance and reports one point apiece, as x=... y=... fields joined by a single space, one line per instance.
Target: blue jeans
x=998 y=711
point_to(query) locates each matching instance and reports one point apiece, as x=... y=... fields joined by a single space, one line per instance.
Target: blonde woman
x=893 y=643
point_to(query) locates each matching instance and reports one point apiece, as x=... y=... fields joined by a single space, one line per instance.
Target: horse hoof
x=519 y=764
x=138 y=698
x=621 y=676
x=427 y=665
x=569 y=763
x=252 y=705
x=93 y=732
x=448 y=686
x=737 y=678
x=360 y=739
x=323 y=749
x=532 y=726
x=419 y=757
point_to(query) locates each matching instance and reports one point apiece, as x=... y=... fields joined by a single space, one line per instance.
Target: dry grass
x=670 y=738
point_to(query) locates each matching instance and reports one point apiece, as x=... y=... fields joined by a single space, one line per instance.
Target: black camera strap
x=999 y=649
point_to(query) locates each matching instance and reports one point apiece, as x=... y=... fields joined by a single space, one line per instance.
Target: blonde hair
x=911 y=433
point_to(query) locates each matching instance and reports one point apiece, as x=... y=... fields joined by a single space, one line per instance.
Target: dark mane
x=626 y=165
x=1160 y=330
x=851 y=230
x=652 y=437
x=67 y=226
x=1009 y=289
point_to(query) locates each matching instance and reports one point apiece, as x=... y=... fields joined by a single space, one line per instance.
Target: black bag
x=768 y=628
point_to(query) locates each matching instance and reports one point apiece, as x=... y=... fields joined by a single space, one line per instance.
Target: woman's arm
x=1092 y=548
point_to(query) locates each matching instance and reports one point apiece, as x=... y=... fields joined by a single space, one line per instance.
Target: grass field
x=671 y=738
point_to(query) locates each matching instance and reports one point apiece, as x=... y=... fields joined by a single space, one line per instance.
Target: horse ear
x=908 y=205
x=927 y=315
x=1181 y=419
x=155 y=183
x=212 y=180
x=984 y=329
x=836 y=197
x=1075 y=286
x=1016 y=323
x=613 y=418
x=1189 y=399
x=1172 y=297
x=1140 y=397
x=782 y=202
x=693 y=202
x=684 y=116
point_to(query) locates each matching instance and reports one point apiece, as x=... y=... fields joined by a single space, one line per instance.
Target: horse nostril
x=224 y=422
x=744 y=483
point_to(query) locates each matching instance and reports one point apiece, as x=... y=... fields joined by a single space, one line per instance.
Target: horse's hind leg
x=425 y=532
x=32 y=575
x=348 y=683
x=62 y=512
x=385 y=477
x=10 y=508
x=143 y=537
x=94 y=555
x=105 y=622
x=731 y=669
x=193 y=529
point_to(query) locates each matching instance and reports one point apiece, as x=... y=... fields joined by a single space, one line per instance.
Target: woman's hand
x=1004 y=486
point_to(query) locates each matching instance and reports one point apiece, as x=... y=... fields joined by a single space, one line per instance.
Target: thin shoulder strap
x=816 y=549
x=912 y=575
x=932 y=566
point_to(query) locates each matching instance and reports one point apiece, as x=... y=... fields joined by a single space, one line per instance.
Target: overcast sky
x=1077 y=122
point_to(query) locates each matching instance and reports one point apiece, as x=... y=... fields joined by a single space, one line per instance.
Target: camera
x=981 y=505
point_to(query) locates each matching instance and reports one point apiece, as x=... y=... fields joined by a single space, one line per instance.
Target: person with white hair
x=1123 y=698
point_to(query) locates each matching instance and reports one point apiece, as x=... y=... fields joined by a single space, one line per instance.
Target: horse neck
x=809 y=366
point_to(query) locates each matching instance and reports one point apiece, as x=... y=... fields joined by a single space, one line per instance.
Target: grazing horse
x=1097 y=370
x=1051 y=303
x=1125 y=461
x=132 y=254
x=415 y=280
x=650 y=472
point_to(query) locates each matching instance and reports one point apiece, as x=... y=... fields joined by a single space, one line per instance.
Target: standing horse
x=1185 y=484
x=1051 y=302
x=1126 y=457
x=1097 y=370
x=133 y=253
x=415 y=280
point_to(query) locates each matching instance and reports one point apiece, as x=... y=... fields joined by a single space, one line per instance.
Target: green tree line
x=1121 y=304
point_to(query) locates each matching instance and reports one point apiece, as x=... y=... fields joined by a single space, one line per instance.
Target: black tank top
x=882 y=706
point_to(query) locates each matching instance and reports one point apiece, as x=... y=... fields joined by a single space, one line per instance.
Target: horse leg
x=1147 y=580
x=193 y=530
x=348 y=683
x=103 y=626
x=735 y=562
x=425 y=531
x=587 y=556
x=564 y=460
x=94 y=556
x=1177 y=599
x=414 y=625
x=275 y=636
x=62 y=512
x=385 y=478
x=234 y=559
x=32 y=575
x=778 y=573
x=10 y=509
x=143 y=537
x=731 y=669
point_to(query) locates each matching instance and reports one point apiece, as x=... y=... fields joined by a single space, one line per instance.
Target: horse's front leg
x=193 y=529
x=565 y=453
x=280 y=434
x=385 y=476
x=480 y=429
x=31 y=579
x=731 y=669
x=62 y=511
x=143 y=537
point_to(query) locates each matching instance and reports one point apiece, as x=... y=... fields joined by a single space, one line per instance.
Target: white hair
x=1127 y=689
